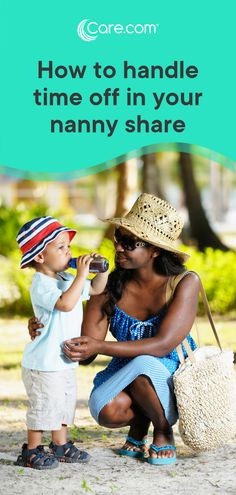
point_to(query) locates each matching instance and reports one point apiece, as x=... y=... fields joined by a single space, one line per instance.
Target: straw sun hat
x=155 y=221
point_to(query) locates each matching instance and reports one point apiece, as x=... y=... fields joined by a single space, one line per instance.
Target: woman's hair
x=166 y=263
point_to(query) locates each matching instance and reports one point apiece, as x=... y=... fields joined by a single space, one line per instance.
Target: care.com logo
x=89 y=30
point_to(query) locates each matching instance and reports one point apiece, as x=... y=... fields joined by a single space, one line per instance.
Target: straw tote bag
x=205 y=389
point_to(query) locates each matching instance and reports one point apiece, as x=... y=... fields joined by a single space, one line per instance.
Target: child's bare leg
x=34 y=438
x=59 y=437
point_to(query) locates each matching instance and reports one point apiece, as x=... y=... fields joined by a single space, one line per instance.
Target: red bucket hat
x=36 y=234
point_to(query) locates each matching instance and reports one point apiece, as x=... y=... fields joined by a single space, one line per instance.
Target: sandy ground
x=107 y=472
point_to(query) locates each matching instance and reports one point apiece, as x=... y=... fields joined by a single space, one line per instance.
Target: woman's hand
x=33 y=327
x=81 y=348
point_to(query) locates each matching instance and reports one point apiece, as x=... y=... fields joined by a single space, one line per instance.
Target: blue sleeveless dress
x=120 y=372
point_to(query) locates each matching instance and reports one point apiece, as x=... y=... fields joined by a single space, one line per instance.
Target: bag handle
x=171 y=286
x=208 y=312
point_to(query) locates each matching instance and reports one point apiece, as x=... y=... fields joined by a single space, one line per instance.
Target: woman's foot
x=134 y=448
x=135 y=445
x=159 y=453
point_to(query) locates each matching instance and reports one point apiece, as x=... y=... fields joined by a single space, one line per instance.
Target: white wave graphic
x=81 y=31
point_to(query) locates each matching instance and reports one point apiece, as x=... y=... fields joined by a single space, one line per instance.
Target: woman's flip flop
x=133 y=453
x=162 y=460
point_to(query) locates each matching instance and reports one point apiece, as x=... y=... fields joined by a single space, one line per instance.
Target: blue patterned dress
x=120 y=372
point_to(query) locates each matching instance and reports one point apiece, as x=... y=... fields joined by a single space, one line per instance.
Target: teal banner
x=84 y=84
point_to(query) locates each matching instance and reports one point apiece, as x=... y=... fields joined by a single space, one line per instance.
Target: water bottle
x=98 y=265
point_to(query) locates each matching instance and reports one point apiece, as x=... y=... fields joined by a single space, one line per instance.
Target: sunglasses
x=127 y=242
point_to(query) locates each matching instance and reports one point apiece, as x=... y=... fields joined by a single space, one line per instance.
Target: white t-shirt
x=44 y=353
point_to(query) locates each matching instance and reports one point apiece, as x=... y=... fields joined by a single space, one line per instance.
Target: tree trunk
x=126 y=188
x=151 y=176
x=201 y=230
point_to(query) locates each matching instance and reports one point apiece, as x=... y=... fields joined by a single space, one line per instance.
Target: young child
x=49 y=377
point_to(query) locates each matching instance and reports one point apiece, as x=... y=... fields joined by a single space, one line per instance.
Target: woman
x=136 y=388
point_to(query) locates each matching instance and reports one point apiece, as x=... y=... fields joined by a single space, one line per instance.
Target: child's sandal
x=36 y=458
x=69 y=453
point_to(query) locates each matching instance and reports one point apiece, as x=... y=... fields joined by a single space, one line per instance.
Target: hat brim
x=25 y=260
x=123 y=222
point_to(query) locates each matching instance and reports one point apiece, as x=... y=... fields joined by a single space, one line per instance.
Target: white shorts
x=52 y=398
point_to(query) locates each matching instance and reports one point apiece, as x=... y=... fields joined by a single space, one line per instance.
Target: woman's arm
x=173 y=329
x=95 y=325
x=33 y=327
x=98 y=284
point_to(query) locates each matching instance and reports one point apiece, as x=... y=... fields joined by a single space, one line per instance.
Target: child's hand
x=82 y=264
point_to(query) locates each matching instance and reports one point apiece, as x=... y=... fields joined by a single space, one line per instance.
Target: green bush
x=12 y=219
x=217 y=272
x=14 y=286
x=215 y=268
